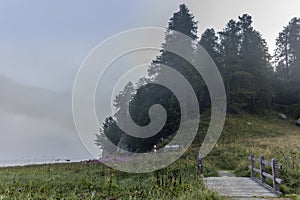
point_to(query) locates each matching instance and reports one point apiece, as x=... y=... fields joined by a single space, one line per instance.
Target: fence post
x=200 y=166
x=275 y=174
x=262 y=169
x=252 y=165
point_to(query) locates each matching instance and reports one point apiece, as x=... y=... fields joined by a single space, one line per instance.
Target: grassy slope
x=261 y=135
x=242 y=135
x=95 y=181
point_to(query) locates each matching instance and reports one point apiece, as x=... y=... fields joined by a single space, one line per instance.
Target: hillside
x=262 y=135
x=242 y=135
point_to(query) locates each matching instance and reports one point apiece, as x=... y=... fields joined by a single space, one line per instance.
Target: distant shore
x=15 y=163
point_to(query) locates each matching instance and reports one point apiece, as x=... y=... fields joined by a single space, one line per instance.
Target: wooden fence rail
x=200 y=167
x=263 y=174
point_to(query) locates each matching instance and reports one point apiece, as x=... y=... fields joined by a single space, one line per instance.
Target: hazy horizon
x=44 y=43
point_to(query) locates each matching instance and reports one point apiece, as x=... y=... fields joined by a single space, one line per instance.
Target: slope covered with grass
x=242 y=135
x=261 y=135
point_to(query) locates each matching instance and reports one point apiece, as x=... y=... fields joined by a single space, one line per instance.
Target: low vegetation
x=262 y=135
x=91 y=180
x=243 y=134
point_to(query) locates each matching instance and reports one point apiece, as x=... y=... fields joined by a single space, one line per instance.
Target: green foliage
x=139 y=109
x=294 y=110
x=89 y=180
x=252 y=86
x=183 y=21
x=242 y=57
x=262 y=135
x=246 y=68
x=112 y=132
x=287 y=59
x=242 y=135
x=140 y=100
x=209 y=41
x=287 y=54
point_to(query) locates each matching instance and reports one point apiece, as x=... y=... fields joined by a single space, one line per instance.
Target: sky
x=43 y=43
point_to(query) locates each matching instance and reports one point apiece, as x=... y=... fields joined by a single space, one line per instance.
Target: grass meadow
x=242 y=135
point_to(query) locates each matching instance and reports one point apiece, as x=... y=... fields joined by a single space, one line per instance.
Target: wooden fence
x=263 y=175
x=200 y=167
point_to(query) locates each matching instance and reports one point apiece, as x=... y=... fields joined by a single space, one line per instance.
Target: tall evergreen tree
x=247 y=70
x=287 y=54
x=110 y=131
x=230 y=44
x=287 y=60
x=147 y=95
x=241 y=55
x=255 y=60
x=183 y=22
x=230 y=40
x=282 y=55
x=209 y=41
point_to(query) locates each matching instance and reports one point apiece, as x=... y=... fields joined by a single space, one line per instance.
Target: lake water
x=10 y=163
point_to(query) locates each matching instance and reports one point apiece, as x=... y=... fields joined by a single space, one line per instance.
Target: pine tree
x=209 y=41
x=230 y=41
x=147 y=95
x=247 y=70
x=255 y=60
x=287 y=60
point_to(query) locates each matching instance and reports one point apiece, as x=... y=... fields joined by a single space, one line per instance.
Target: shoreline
x=5 y=164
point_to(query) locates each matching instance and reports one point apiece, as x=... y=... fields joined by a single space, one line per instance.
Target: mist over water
x=13 y=163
